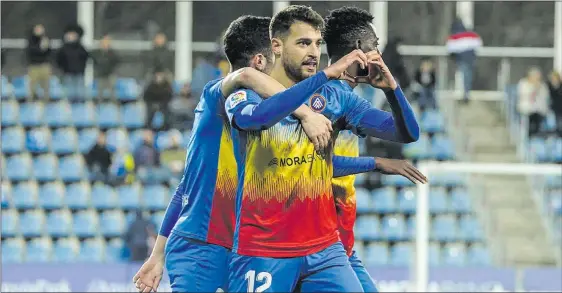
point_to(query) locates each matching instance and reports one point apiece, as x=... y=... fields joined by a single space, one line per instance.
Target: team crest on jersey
x=237 y=98
x=317 y=103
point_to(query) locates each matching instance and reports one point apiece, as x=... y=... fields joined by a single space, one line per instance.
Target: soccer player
x=344 y=27
x=286 y=231
x=198 y=248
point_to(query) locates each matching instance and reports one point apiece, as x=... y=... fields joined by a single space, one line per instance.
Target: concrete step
x=515 y=222
x=498 y=157
x=488 y=134
x=492 y=147
x=497 y=198
x=519 y=250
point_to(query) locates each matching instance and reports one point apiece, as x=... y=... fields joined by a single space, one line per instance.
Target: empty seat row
x=387 y=200
x=440 y=147
x=60 y=114
x=546 y=150
x=64 y=250
x=55 y=195
x=63 y=141
x=63 y=223
x=442 y=228
x=402 y=254
x=44 y=168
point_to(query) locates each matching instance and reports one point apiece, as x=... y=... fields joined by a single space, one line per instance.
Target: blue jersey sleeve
x=172 y=215
x=400 y=125
x=344 y=166
x=247 y=111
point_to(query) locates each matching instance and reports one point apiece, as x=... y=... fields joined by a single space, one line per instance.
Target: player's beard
x=294 y=69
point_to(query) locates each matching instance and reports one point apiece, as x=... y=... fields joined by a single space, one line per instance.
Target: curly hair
x=245 y=37
x=346 y=25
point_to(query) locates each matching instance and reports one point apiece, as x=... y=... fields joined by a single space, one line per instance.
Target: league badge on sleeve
x=317 y=103
x=237 y=98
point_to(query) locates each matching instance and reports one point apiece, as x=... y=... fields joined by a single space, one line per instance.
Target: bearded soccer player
x=286 y=234
x=344 y=27
x=200 y=217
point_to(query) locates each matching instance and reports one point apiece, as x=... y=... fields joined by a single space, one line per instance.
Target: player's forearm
x=253 y=79
x=345 y=166
x=269 y=112
x=406 y=124
x=159 y=248
x=171 y=216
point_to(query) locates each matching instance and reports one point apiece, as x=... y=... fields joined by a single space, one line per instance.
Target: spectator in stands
x=462 y=45
x=533 y=99
x=138 y=237
x=160 y=58
x=395 y=62
x=38 y=53
x=182 y=107
x=157 y=96
x=146 y=154
x=99 y=159
x=555 y=87
x=106 y=61
x=123 y=167
x=71 y=59
x=425 y=79
x=173 y=157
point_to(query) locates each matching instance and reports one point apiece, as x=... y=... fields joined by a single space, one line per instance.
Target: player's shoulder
x=213 y=89
x=241 y=96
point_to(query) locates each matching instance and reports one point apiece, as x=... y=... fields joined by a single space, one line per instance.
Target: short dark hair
x=245 y=37
x=282 y=21
x=346 y=25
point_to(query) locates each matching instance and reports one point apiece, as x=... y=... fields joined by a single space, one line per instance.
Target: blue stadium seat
x=85 y=223
x=45 y=167
x=407 y=201
x=51 y=195
x=59 y=223
x=384 y=200
x=83 y=115
x=411 y=227
x=396 y=180
x=155 y=197
x=56 y=90
x=553 y=181
x=368 y=228
x=133 y=115
x=359 y=249
x=432 y=121
x=117 y=138
x=18 y=167
x=453 y=255
x=78 y=196
x=64 y=141
x=25 y=195
x=66 y=250
x=38 y=140
x=401 y=254
x=434 y=254
x=376 y=254
x=153 y=175
x=58 y=114
x=363 y=200
x=87 y=139
x=460 y=201
x=549 y=123
x=13 y=140
x=13 y=250
x=112 y=223
x=555 y=201
x=444 y=228
x=39 y=250
x=129 y=196
x=7 y=88
x=420 y=149
x=92 y=250
x=478 y=255
x=470 y=229
x=186 y=138
x=537 y=147
x=10 y=223
x=10 y=113
x=114 y=250
x=103 y=197
x=442 y=148
x=126 y=89
x=71 y=168
x=177 y=86
x=447 y=179
x=556 y=150
x=135 y=139
x=20 y=87
x=31 y=114
x=359 y=178
x=108 y=115
x=32 y=223
x=157 y=218
x=438 y=201
x=393 y=228
x=6 y=190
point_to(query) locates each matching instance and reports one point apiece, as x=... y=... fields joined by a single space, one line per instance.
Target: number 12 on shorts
x=263 y=277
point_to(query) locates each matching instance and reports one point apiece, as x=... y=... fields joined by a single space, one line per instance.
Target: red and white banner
x=464 y=41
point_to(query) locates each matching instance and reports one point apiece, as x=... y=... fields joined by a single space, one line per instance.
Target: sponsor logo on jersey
x=237 y=98
x=317 y=103
x=295 y=161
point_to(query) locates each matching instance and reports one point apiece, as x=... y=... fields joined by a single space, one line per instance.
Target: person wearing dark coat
x=38 y=54
x=71 y=59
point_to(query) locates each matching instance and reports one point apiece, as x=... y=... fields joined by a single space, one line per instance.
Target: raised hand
x=379 y=74
x=400 y=167
x=338 y=69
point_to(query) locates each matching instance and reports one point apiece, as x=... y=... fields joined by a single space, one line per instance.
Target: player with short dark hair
x=200 y=217
x=286 y=234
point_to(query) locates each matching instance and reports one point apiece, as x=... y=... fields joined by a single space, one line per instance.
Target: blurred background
x=97 y=108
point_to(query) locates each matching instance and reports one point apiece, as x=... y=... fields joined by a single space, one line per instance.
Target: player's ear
x=260 y=62
x=276 y=46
